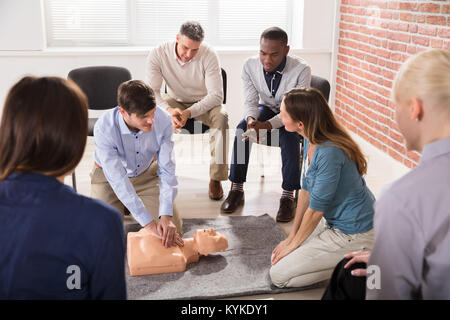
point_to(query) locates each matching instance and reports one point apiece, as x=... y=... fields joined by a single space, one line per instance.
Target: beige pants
x=315 y=259
x=146 y=186
x=217 y=120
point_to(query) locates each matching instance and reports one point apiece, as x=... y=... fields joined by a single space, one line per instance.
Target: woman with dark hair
x=332 y=188
x=54 y=243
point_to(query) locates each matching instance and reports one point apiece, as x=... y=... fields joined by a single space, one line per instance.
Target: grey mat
x=241 y=270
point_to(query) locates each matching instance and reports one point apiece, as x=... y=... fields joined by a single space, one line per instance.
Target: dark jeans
x=289 y=142
x=344 y=286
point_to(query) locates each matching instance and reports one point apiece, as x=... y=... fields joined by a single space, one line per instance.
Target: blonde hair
x=310 y=107
x=425 y=76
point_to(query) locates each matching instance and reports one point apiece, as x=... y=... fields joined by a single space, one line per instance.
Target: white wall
x=318 y=22
x=17 y=63
x=21 y=25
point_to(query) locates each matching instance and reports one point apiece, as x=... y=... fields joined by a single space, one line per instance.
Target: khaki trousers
x=315 y=260
x=146 y=186
x=217 y=120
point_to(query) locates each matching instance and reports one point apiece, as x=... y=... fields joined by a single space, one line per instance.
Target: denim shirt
x=338 y=190
x=50 y=236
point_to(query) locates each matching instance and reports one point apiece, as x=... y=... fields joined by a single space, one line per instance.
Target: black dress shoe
x=287 y=210
x=234 y=200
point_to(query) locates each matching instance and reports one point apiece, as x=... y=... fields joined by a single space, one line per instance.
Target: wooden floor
x=261 y=194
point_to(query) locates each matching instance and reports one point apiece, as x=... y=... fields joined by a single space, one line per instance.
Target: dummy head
x=208 y=241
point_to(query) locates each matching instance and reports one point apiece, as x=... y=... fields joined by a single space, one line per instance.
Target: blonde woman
x=412 y=221
x=412 y=216
x=333 y=188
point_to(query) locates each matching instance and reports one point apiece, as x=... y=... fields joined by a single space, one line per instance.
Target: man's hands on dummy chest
x=179 y=117
x=166 y=230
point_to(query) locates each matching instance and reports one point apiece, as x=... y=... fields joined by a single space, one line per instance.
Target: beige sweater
x=199 y=80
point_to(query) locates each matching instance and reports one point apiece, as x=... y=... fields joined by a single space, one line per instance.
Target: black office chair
x=100 y=85
x=323 y=86
x=193 y=126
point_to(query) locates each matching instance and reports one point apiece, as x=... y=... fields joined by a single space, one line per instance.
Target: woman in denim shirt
x=332 y=188
x=54 y=243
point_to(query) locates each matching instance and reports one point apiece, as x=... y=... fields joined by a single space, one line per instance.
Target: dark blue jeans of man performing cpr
x=289 y=142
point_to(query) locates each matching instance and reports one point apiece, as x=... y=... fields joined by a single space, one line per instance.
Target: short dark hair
x=43 y=128
x=193 y=30
x=275 y=33
x=136 y=96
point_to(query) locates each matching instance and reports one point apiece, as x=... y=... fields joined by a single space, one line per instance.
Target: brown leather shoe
x=234 y=200
x=215 y=190
x=287 y=210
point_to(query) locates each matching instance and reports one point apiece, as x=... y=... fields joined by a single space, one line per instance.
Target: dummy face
x=289 y=124
x=136 y=123
x=186 y=48
x=209 y=241
x=271 y=53
x=406 y=116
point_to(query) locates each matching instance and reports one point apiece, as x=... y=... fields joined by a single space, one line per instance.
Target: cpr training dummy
x=147 y=255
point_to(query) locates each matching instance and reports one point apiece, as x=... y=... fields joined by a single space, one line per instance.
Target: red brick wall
x=375 y=37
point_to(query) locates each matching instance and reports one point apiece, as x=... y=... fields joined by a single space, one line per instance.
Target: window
x=150 y=22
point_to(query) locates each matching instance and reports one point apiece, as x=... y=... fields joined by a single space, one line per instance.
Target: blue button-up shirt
x=124 y=154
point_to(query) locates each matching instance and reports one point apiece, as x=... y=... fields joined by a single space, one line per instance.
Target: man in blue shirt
x=128 y=138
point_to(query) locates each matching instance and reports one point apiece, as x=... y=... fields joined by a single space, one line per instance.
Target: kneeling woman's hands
x=281 y=250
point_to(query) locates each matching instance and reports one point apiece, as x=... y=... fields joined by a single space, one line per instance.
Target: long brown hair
x=309 y=106
x=43 y=128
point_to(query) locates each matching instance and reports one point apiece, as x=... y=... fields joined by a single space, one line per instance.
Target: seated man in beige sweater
x=193 y=77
